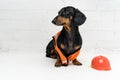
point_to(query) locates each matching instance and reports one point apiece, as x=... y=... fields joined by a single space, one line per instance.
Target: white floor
x=33 y=65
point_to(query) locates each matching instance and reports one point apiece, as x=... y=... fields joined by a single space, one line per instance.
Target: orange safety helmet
x=100 y=63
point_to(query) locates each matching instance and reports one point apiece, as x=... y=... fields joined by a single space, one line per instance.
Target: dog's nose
x=54 y=20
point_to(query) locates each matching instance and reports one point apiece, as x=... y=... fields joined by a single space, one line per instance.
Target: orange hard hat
x=100 y=63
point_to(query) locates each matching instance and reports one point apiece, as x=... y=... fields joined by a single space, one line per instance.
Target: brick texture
x=26 y=24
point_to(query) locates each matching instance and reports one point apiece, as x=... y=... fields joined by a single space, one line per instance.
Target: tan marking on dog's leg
x=76 y=47
x=53 y=54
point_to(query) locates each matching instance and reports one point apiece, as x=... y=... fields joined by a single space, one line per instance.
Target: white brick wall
x=26 y=24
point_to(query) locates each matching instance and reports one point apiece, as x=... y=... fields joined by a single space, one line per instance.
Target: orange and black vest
x=61 y=55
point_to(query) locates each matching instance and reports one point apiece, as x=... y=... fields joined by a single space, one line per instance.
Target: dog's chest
x=67 y=44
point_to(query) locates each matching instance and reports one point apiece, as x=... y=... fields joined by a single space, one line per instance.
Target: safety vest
x=61 y=55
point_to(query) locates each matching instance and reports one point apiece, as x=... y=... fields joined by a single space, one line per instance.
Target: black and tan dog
x=66 y=44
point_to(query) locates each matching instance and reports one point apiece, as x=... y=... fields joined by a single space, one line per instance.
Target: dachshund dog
x=66 y=44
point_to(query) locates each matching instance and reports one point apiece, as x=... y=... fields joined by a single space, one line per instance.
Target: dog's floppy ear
x=78 y=18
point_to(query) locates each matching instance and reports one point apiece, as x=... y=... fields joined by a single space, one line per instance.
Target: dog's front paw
x=58 y=64
x=76 y=62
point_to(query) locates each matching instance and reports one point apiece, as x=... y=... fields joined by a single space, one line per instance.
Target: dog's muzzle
x=54 y=20
x=57 y=22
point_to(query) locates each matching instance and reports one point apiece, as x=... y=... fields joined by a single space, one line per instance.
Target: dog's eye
x=65 y=13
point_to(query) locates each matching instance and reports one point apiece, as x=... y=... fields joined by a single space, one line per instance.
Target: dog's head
x=69 y=16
